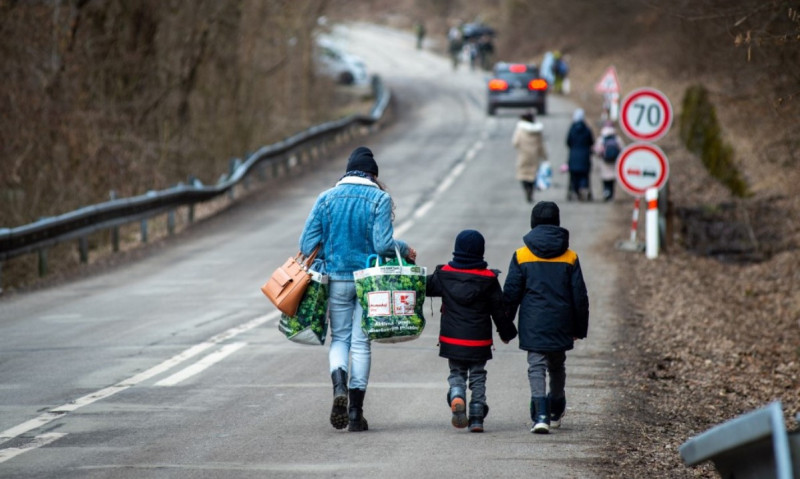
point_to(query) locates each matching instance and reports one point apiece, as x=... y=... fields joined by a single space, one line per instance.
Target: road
x=172 y=366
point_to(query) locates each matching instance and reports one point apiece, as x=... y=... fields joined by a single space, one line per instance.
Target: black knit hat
x=361 y=159
x=469 y=250
x=545 y=213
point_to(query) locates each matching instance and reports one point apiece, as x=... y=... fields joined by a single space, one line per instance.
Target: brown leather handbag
x=287 y=284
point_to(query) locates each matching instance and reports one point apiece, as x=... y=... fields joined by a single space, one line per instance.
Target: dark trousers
x=472 y=372
x=578 y=181
x=608 y=190
x=542 y=364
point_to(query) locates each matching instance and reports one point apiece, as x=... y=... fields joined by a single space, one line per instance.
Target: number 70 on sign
x=646 y=114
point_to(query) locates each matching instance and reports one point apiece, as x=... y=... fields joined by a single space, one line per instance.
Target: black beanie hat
x=468 y=252
x=545 y=213
x=361 y=159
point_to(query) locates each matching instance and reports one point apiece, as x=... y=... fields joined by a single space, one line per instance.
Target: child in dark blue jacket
x=546 y=283
x=471 y=299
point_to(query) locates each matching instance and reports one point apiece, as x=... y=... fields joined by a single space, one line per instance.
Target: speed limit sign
x=646 y=114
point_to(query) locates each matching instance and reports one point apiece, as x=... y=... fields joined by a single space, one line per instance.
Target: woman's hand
x=412 y=254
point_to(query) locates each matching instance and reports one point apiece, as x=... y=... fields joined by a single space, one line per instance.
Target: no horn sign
x=641 y=166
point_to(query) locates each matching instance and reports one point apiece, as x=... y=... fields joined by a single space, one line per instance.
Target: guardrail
x=281 y=157
x=755 y=445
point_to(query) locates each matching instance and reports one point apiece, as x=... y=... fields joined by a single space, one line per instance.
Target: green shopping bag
x=310 y=324
x=391 y=296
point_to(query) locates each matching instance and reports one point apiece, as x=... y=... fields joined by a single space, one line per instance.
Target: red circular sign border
x=662 y=159
x=660 y=98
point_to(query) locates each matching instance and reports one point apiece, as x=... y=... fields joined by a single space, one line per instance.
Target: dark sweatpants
x=473 y=372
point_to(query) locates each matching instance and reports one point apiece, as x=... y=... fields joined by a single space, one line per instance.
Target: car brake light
x=517 y=68
x=497 y=84
x=537 y=84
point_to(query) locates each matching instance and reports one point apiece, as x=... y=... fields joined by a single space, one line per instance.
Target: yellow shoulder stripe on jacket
x=525 y=255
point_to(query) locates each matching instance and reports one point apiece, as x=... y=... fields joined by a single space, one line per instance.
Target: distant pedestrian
x=560 y=72
x=608 y=147
x=471 y=300
x=351 y=221
x=546 y=283
x=528 y=141
x=455 y=40
x=580 y=141
x=419 y=28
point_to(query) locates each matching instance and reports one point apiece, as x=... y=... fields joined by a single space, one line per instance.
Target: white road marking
x=445 y=184
x=60 y=411
x=201 y=365
x=38 y=441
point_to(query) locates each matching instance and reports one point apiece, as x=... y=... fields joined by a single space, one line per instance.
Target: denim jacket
x=352 y=221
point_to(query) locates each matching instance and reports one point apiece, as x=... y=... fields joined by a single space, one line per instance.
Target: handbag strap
x=308 y=260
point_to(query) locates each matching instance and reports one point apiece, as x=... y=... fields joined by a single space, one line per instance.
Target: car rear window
x=525 y=77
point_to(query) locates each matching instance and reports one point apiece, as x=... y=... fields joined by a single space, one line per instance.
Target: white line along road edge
x=60 y=411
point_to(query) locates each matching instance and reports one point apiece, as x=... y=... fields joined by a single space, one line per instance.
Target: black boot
x=540 y=415
x=477 y=412
x=457 y=400
x=528 y=187
x=357 y=420
x=339 y=418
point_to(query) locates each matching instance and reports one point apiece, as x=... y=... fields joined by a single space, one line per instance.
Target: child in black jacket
x=546 y=283
x=471 y=299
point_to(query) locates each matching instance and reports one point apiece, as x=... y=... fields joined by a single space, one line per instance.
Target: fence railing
x=274 y=160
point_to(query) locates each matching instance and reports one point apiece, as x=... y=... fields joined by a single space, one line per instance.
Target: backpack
x=611 y=148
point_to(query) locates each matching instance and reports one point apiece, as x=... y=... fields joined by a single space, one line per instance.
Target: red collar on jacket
x=479 y=272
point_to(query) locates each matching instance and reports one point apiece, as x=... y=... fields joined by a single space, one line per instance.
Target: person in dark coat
x=471 y=299
x=580 y=141
x=546 y=284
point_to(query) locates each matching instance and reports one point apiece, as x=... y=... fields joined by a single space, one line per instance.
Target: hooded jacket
x=471 y=299
x=546 y=284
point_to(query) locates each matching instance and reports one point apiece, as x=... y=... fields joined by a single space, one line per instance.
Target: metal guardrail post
x=115 y=230
x=83 y=249
x=143 y=230
x=42 y=262
x=171 y=222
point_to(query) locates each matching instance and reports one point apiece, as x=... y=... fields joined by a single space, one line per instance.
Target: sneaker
x=540 y=428
x=557 y=410
x=540 y=415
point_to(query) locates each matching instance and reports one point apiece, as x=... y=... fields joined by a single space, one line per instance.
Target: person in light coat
x=528 y=141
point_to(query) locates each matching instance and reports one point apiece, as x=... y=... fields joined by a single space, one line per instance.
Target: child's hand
x=504 y=341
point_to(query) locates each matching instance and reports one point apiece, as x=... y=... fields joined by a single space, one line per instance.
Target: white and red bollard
x=635 y=219
x=651 y=223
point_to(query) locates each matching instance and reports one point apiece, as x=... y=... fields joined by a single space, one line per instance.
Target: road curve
x=173 y=366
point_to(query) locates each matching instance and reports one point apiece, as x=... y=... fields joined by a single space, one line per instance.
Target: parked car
x=516 y=85
x=332 y=60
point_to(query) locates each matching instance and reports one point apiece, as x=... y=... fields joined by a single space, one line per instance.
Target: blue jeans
x=348 y=341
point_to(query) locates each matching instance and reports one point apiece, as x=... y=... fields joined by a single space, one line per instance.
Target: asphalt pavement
x=173 y=366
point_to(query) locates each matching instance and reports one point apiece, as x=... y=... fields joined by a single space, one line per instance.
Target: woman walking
x=580 y=141
x=527 y=139
x=351 y=221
